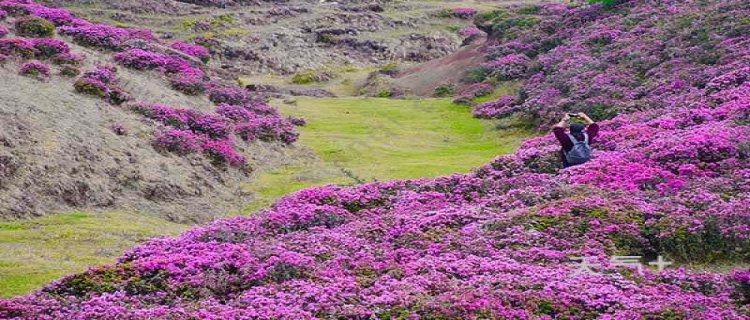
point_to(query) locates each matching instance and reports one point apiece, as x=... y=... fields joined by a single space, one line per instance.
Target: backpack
x=581 y=151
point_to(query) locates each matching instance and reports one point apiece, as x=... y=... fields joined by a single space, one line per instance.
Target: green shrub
x=94 y=88
x=476 y=75
x=310 y=76
x=325 y=38
x=69 y=71
x=385 y=93
x=304 y=77
x=491 y=16
x=530 y=9
x=445 y=90
x=35 y=27
x=606 y=3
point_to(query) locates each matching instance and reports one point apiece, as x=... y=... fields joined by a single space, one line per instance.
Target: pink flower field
x=668 y=80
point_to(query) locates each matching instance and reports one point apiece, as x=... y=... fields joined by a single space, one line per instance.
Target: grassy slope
x=369 y=139
x=34 y=252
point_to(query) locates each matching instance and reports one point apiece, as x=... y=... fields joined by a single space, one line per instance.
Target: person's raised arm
x=564 y=122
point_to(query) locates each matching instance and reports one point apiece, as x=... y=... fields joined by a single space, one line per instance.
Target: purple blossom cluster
x=509 y=67
x=189 y=131
x=182 y=75
x=464 y=12
x=102 y=35
x=470 y=31
x=3 y=31
x=40 y=48
x=475 y=90
x=102 y=82
x=46 y=48
x=194 y=50
x=17 y=47
x=496 y=109
x=35 y=68
x=213 y=132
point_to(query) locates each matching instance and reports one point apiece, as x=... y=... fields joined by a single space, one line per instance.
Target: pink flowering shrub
x=232 y=95
x=468 y=93
x=60 y=17
x=3 y=14
x=499 y=108
x=181 y=142
x=102 y=82
x=102 y=35
x=222 y=152
x=17 y=47
x=188 y=84
x=49 y=48
x=268 y=129
x=35 y=69
x=3 y=31
x=194 y=50
x=15 y=8
x=509 y=67
x=470 y=31
x=463 y=12
x=182 y=76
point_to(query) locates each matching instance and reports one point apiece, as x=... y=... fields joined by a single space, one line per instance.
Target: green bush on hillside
x=35 y=27
x=606 y=3
x=445 y=90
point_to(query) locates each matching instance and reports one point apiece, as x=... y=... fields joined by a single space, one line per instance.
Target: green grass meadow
x=382 y=139
x=36 y=251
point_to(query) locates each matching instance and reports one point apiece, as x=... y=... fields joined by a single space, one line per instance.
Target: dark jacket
x=562 y=136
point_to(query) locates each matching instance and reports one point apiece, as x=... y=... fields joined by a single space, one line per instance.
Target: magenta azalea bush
x=495 y=109
x=35 y=69
x=182 y=75
x=468 y=93
x=181 y=142
x=470 y=31
x=103 y=36
x=194 y=50
x=464 y=12
x=49 y=48
x=509 y=67
x=102 y=82
x=17 y=47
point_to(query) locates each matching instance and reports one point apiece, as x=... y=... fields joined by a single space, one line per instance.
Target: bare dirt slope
x=422 y=79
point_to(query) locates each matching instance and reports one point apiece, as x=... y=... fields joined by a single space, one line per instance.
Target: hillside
x=80 y=133
x=670 y=178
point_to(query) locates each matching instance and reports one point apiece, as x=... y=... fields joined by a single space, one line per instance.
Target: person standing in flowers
x=576 y=144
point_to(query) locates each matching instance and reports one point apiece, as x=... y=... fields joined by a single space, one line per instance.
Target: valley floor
x=346 y=141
